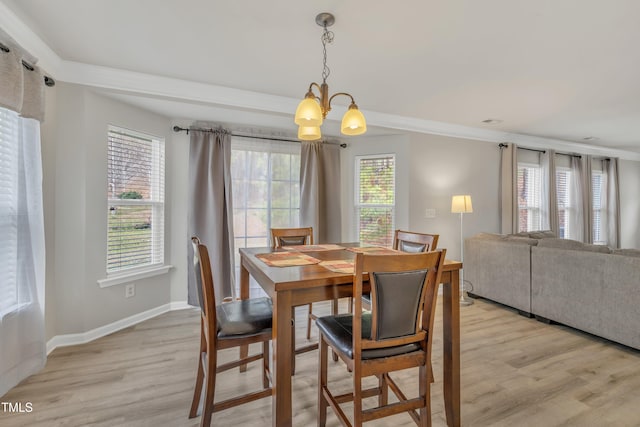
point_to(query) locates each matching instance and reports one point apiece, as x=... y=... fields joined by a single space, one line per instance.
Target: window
x=529 y=197
x=9 y=158
x=565 y=210
x=135 y=218
x=375 y=199
x=266 y=189
x=599 y=210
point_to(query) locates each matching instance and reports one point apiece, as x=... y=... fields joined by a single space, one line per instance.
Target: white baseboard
x=85 y=337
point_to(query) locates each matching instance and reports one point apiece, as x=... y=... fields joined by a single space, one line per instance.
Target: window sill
x=133 y=275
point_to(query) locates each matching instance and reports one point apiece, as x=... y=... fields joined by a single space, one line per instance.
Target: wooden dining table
x=293 y=286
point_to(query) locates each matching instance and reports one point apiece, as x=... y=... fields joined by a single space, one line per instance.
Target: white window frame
x=157 y=203
x=535 y=211
x=356 y=203
x=568 y=208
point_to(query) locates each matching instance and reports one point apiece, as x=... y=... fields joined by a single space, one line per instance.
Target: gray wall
x=75 y=169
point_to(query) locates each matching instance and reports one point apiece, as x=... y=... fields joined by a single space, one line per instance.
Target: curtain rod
x=505 y=145
x=269 y=138
x=48 y=81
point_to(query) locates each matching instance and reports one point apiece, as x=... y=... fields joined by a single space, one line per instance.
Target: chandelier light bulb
x=309 y=133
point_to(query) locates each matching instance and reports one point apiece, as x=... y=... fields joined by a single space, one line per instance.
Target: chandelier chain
x=327 y=37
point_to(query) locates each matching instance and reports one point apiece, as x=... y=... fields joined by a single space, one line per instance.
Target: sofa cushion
x=489 y=236
x=627 y=252
x=542 y=234
x=545 y=234
x=521 y=239
x=572 y=245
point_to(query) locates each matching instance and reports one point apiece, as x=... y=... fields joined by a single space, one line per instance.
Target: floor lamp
x=462 y=205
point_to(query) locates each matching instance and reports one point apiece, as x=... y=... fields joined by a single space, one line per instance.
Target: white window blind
x=529 y=197
x=9 y=159
x=375 y=199
x=135 y=225
x=563 y=193
x=265 y=188
x=599 y=210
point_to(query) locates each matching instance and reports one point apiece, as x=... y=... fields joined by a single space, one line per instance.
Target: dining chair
x=411 y=242
x=294 y=237
x=396 y=335
x=297 y=237
x=228 y=325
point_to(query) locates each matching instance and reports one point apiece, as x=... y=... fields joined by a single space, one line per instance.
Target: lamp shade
x=353 y=122
x=308 y=112
x=309 y=133
x=461 y=204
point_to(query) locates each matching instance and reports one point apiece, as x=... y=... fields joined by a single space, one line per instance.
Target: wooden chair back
x=408 y=316
x=291 y=236
x=409 y=241
x=204 y=283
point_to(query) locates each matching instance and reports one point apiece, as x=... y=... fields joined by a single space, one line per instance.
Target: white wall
x=75 y=168
x=629 y=175
x=178 y=181
x=429 y=170
x=442 y=167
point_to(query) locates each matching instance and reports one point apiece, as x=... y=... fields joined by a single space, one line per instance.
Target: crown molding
x=142 y=84
x=48 y=60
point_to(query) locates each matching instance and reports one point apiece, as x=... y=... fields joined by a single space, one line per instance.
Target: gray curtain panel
x=508 y=189
x=549 y=192
x=612 y=202
x=320 y=191
x=576 y=220
x=587 y=201
x=210 y=211
x=22 y=90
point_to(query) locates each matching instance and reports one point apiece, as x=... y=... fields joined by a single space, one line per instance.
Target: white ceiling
x=557 y=69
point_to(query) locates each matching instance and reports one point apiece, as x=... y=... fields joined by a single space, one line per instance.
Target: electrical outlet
x=430 y=213
x=130 y=290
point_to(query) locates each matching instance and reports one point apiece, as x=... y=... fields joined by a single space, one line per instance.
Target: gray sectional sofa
x=588 y=287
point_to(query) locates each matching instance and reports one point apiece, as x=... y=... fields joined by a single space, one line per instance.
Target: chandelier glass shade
x=313 y=109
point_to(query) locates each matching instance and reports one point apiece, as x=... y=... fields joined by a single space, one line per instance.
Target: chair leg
x=383 y=398
x=357 y=397
x=322 y=382
x=265 y=364
x=293 y=341
x=197 y=391
x=309 y=315
x=210 y=389
x=334 y=311
x=425 y=390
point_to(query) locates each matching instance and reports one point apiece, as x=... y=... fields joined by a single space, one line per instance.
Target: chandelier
x=313 y=109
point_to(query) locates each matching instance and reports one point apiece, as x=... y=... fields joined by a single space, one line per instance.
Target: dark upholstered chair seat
x=244 y=317
x=338 y=332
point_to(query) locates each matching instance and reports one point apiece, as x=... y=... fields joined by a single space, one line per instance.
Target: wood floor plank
x=514 y=372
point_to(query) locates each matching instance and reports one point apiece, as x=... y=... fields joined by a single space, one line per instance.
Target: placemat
x=338 y=266
x=313 y=248
x=375 y=250
x=286 y=259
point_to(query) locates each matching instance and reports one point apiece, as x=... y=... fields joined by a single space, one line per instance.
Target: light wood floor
x=515 y=372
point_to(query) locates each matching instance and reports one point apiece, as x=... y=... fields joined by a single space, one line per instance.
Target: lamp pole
x=463 y=300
